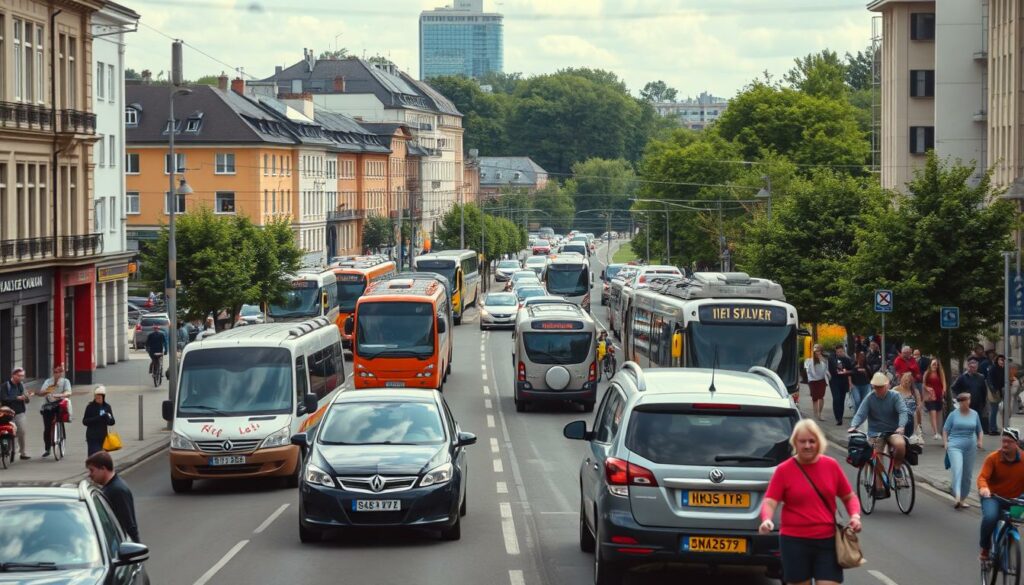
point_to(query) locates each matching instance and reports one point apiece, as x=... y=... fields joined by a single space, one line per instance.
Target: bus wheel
x=457 y=319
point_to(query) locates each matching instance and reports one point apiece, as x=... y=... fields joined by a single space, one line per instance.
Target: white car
x=537 y=264
x=498 y=309
x=505 y=270
x=250 y=315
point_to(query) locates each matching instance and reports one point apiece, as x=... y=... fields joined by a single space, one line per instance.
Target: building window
x=181 y=203
x=99 y=215
x=101 y=81
x=111 y=91
x=922 y=83
x=19 y=81
x=266 y=166
x=112 y=149
x=131 y=163
x=224 y=202
x=922 y=26
x=180 y=159
x=131 y=117
x=192 y=124
x=225 y=163
x=273 y=165
x=101 y=147
x=41 y=72
x=72 y=72
x=112 y=206
x=132 y=202
x=922 y=139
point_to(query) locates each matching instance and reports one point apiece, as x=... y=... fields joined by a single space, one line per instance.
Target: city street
x=522 y=522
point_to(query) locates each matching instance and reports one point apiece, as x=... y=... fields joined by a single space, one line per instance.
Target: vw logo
x=227 y=446
x=376 y=483
x=716 y=475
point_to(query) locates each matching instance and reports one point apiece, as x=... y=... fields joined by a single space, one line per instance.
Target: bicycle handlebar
x=1019 y=501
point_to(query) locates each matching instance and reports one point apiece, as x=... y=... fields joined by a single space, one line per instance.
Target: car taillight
x=592 y=376
x=621 y=473
x=521 y=372
x=642 y=279
x=138 y=327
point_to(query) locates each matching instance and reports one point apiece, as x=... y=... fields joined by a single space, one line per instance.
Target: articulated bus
x=313 y=294
x=723 y=320
x=462 y=269
x=353 y=277
x=569 y=276
x=400 y=335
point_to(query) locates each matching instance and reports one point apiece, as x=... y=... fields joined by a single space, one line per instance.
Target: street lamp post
x=172 y=255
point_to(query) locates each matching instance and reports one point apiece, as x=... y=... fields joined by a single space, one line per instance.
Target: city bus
x=462 y=269
x=569 y=276
x=352 y=279
x=313 y=293
x=714 y=320
x=400 y=335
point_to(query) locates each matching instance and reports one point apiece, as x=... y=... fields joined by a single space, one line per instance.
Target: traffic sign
x=1017 y=304
x=949 y=317
x=883 y=301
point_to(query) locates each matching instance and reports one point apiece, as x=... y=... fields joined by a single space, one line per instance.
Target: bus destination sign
x=742 y=315
x=349 y=277
x=305 y=284
x=557 y=325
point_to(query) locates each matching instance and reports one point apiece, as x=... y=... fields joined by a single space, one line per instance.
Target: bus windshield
x=445 y=268
x=568 y=280
x=349 y=292
x=236 y=381
x=302 y=300
x=741 y=347
x=377 y=334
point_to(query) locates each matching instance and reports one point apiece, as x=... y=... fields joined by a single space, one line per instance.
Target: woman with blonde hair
x=807 y=485
x=817 y=379
x=912 y=397
x=934 y=391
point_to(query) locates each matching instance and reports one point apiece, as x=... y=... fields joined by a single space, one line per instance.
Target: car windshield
x=568 y=280
x=236 y=381
x=43 y=532
x=445 y=268
x=740 y=347
x=348 y=293
x=500 y=300
x=557 y=348
x=711 y=438
x=541 y=243
x=611 y=271
x=508 y=264
x=153 y=321
x=249 y=311
x=298 y=302
x=525 y=293
x=377 y=334
x=384 y=422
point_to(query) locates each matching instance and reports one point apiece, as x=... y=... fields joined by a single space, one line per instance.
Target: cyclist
x=54 y=391
x=886 y=413
x=1002 y=474
x=156 y=346
x=602 y=346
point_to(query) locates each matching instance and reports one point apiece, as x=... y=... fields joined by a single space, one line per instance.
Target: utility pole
x=668 y=248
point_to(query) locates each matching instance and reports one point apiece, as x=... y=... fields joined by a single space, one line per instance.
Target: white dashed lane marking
x=490 y=421
x=515 y=577
x=224 y=560
x=501 y=487
x=508 y=529
x=271 y=519
x=494 y=445
x=498 y=467
x=487 y=404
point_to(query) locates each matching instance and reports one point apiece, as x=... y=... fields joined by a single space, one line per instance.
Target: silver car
x=505 y=270
x=677 y=465
x=498 y=309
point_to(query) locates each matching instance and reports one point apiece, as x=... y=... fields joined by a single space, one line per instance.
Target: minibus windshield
x=236 y=381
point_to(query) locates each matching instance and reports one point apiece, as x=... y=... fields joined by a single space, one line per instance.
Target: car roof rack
x=722 y=285
x=638 y=374
x=308 y=327
x=772 y=379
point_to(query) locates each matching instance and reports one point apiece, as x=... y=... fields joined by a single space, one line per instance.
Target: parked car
x=251 y=315
x=145 y=326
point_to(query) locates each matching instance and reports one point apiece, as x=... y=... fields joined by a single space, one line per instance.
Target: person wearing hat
x=98 y=416
x=1002 y=474
x=961 y=436
x=886 y=414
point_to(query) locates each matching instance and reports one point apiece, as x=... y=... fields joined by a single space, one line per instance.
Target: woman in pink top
x=807 y=532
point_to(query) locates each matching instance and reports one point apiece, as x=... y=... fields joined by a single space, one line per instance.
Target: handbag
x=112 y=442
x=848 y=551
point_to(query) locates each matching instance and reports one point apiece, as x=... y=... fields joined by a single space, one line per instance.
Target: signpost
x=949 y=317
x=1017 y=304
x=883 y=305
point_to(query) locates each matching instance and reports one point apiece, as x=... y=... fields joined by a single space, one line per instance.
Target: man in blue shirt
x=886 y=414
x=156 y=345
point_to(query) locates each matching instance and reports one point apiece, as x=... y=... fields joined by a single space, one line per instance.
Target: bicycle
x=905 y=494
x=59 y=437
x=157 y=367
x=1005 y=553
x=608 y=364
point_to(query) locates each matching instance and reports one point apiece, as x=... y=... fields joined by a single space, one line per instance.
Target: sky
x=693 y=45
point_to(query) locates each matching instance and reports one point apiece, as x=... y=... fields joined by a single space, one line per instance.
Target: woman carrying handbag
x=813 y=546
x=98 y=416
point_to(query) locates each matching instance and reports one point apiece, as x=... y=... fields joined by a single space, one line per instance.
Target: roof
x=555 y=311
x=502 y=170
x=347 y=134
x=403 y=286
x=573 y=259
x=263 y=333
x=388 y=394
x=693 y=383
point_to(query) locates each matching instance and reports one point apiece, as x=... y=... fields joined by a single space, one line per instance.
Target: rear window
x=557 y=348
x=154 y=321
x=713 y=438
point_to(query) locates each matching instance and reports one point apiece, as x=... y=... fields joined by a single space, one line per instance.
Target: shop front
x=25 y=303
x=111 y=313
x=74 y=316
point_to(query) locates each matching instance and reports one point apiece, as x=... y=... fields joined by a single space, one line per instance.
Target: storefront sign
x=109 y=273
x=14 y=285
x=79 y=276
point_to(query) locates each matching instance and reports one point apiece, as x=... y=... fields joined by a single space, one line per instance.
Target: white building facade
x=694 y=113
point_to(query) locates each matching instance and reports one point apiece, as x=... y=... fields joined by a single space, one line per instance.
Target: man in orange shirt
x=1002 y=474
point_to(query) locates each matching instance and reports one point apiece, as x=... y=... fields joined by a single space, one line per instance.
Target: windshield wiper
x=37 y=566
x=208 y=409
x=743 y=458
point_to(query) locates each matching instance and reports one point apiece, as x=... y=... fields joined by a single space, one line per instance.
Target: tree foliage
x=484 y=114
x=820 y=74
x=658 y=91
x=859 y=69
x=603 y=184
x=377 y=233
x=336 y=54
x=492 y=236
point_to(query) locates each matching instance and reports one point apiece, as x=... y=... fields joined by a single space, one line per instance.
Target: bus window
x=301 y=386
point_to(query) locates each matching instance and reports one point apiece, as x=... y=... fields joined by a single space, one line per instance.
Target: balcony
x=21 y=116
x=28 y=249
x=76 y=122
x=345 y=214
x=81 y=246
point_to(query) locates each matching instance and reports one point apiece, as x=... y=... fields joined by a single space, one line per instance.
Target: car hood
x=384 y=459
x=87 y=576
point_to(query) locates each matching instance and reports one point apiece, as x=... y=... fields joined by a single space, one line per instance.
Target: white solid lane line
x=508 y=529
x=271 y=519
x=881 y=577
x=221 y=563
x=515 y=577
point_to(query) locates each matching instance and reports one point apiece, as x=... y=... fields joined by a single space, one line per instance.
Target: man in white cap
x=886 y=414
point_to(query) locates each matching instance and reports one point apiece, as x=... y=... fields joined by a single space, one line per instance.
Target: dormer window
x=177 y=126
x=131 y=117
x=192 y=125
x=516 y=176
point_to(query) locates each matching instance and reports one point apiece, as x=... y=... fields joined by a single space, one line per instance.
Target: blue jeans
x=993 y=417
x=859 y=393
x=990 y=508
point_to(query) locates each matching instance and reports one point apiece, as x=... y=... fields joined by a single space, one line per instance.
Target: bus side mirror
x=803 y=332
x=442 y=326
x=349 y=325
x=677 y=345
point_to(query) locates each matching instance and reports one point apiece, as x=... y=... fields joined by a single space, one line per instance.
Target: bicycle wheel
x=56 y=447
x=866 y=488
x=61 y=444
x=905 y=495
x=1009 y=559
x=5 y=445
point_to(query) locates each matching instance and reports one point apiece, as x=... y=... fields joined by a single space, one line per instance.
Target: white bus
x=569 y=276
x=462 y=269
x=313 y=293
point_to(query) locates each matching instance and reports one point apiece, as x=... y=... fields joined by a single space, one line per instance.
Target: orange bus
x=401 y=335
x=352 y=279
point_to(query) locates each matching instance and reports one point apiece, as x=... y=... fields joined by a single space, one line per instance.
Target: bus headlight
x=277 y=439
x=427 y=372
x=180 y=443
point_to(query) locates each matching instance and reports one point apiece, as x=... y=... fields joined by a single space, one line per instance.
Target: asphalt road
x=522 y=522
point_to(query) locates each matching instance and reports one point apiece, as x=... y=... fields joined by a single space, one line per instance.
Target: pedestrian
x=817 y=378
x=210 y=329
x=54 y=390
x=961 y=436
x=860 y=384
x=996 y=385
x=101 y=471
x=874 y=358
x=904 y=363
x=13 y=395
x=98 y=416
x=922 y=367
x=807 y=528
x=182 y=340
x=1015 y=388
x=934 y=393
x=974 y=384
x=1002 y=474
x=840 y=368
x=912 y=398
x=923 y=363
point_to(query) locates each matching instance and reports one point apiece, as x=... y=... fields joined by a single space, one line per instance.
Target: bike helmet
x=1012 y=433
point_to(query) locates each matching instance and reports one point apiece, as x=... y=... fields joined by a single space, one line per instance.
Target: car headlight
x=180 y=443
x=438 y=475
x=317 y=476
x=484 y=313
x=277 y=439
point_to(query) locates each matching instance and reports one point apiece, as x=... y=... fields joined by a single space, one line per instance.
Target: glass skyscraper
x=463 y=40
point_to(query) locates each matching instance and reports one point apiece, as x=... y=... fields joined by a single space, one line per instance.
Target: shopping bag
x=112 y=442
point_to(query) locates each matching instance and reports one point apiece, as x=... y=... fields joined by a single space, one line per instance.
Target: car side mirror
x=466 y=439
x=300 y=440
x=602 y=275
x=309 y=402
x=442 y=326
x=167 y=410
x=131 y=553
x=349 y=325
x=577 y=430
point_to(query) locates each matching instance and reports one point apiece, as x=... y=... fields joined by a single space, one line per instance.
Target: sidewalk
x=126 y=382
x=930 y=469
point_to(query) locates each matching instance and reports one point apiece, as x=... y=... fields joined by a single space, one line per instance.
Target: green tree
x=820 y=74
x=381 y=60
x=859 y=69
x=275 y=254
x=557 y=205
x=485 y=115
x=937 y=246
x=336 y=54
x=604 y=184
x=377 y=232
x=207 y=80
x=130 y=73
x=501 y=82
x=658 y=91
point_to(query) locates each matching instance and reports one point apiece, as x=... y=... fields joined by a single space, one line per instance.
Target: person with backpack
x=961 y=436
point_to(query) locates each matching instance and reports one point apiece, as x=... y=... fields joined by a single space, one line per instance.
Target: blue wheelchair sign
x=949 y=317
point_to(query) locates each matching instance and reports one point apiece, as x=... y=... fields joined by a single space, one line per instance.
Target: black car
x=66 y=535
x=384 y=458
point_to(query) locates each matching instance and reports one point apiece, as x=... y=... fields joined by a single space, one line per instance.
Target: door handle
x=596 y=466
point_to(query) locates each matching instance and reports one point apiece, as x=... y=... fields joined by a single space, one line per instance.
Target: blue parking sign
x=949 y=317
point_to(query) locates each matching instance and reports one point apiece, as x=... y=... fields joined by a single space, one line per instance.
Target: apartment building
x=694 y=113
x=48 y=245
x=505 y=172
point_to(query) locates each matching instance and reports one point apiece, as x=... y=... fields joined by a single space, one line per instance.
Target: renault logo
x=227 y=446
x=716 y=475
x=377 y=483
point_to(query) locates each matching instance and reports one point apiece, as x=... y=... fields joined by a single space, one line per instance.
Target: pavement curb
x=122 y=466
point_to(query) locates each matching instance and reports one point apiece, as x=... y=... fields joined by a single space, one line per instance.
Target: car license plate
x=714 y=544
x=699 y=499
x=376 y=505
x=393 y=384
x=228 y=460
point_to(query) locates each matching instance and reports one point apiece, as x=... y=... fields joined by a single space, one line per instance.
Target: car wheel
x=308 y=535
x=588 y=406
x=586 y=536
x=605 y=573
x=464 y=507
x=520 y=405
x=453 y=532
x=292 y=481
x=181 y=486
